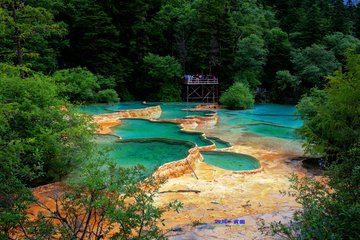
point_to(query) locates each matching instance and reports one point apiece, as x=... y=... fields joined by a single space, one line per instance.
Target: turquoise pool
x=128 y=106
x=94 y=109
x=230 y=161
x=268 y=120
x=139 y=128
x=219 y=143
x=109 y=108
x=175 y=110
x=151 y=153
x=154 y=143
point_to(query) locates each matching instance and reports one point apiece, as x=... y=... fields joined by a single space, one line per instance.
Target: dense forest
x=57 y=53
x=142 y=48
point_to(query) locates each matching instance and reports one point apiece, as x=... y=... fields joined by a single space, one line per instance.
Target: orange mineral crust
x=106 y=121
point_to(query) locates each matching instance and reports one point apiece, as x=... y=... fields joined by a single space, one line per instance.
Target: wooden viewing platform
x=201 y=88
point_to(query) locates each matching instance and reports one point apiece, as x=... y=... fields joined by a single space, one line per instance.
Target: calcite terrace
x=209 y=193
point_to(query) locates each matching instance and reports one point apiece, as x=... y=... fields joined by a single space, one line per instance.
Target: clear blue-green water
x=269 y=130
x=271 y=109
x=268 y=120
x=230 y=161
x=151 y=153
x=139 y=128
x=219 y=143
x=177 y=110
x=109 y=108
x=128 y=106
x=138 y=146
x=94 y=109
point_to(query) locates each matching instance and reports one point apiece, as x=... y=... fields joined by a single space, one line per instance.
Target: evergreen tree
x=250 y=59
x=29 y=35
x=312 y=26
x=339 y=17
x=340 y=43
x=92 y=36
x=312 y=64
x=164 y=81
x=279 y=49
x=331 y=116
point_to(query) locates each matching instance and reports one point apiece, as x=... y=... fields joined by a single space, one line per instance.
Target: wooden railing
x=201 y=81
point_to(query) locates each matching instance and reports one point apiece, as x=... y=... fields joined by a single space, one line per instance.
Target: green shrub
x=40 y=141
x=162 y=68
x=44 y=138
x=106 y=82
x=329 y=211
x=238 y=96
x=107 y=96
x=121 y=198
x=331 y=116
x=170 y=92
x=77 y=84
x=163 y=82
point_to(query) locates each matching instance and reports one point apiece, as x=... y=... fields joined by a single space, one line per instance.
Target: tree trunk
x=19 y=52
